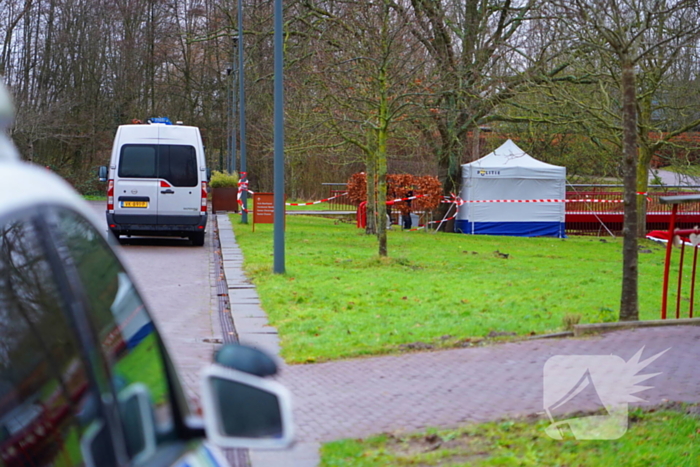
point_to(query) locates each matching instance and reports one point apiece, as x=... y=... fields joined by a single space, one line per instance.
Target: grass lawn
x=320 y=207
x=664 y=437
x=338 y=299
x=312 y=207
x=95 y=197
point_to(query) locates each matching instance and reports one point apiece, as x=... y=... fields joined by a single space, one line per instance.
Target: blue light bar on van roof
x=165 y=120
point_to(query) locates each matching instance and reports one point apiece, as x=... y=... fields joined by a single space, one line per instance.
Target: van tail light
x=110 y=195
x=204 y=197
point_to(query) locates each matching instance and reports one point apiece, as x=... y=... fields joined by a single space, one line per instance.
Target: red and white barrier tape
x=317 y=202
x=452 y=199
x=243 y=186
x=463 y=201
x=398 y=200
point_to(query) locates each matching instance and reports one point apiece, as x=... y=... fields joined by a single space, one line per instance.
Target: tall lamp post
x=231 y=166
x=278 y=267
x=241 y=103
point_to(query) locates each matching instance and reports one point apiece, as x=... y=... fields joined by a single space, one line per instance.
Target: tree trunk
x=381 y=191
x=382 y=138
x=476 y=134
x=370 y=168
x=629 y=300
x=645 y=155
x=382 y=132
x=450 y=176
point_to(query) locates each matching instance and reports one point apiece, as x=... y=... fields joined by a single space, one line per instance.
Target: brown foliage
x=357 y=188
x=431 y=187
x=427 y=187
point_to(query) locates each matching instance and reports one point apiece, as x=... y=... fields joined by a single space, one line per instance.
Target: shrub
x=570 y=320
x=223 y=179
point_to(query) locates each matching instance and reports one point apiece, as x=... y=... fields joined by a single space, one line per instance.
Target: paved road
x=673 y=178
x=413 y=391
x=177 y=283
x=360 y=397
x=404 y=393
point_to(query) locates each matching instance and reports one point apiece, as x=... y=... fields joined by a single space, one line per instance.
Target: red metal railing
x=683 y=238
x=586 y=218
x=341 y=203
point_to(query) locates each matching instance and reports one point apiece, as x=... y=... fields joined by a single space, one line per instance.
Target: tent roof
x=509 y=161
x=510 y=155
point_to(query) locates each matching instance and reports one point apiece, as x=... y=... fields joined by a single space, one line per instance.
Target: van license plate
x=134 y=204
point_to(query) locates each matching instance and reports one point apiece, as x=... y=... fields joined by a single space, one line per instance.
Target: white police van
x=157 y=181
x=85 y=379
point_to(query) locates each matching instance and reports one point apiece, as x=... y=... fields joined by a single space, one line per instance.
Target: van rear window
x=138 y=161
x=178 y=165
x=175 y=163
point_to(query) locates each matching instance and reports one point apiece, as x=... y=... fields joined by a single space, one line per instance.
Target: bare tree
x=626 y=35
x=365 y=77
x=480 y=55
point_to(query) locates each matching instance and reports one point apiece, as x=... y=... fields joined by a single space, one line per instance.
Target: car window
x=138 y=161
x=49 y=414
x=130 y=344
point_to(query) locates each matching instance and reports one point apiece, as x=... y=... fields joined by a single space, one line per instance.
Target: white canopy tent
x=508 y=173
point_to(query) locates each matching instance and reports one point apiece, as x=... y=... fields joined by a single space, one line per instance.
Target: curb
x=249 y=319
x=597 y=328
x=252 y=328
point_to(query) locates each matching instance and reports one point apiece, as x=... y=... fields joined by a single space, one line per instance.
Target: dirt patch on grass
x=460 y=449
x=475 y=443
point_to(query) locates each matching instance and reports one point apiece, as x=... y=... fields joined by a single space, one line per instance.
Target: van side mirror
x=246 y=359
x=245 y=411
x=102 y=173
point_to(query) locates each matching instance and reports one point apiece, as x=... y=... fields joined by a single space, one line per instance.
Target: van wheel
x=197 y=238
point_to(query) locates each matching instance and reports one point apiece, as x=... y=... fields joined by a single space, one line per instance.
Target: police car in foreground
x=85 y=379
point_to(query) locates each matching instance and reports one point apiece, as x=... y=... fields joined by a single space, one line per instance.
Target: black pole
x=234 y=106
x=241 y=103
x=279 y=141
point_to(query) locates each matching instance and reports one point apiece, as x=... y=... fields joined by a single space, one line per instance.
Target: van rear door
x=136 y=186
x=179 y=193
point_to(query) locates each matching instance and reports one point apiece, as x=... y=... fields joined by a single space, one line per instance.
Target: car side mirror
x=245 y=411
x=102 y=173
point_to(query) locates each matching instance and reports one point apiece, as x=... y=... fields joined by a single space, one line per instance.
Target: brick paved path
x=409 y=392
x=178 y=283
x=413 y=391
